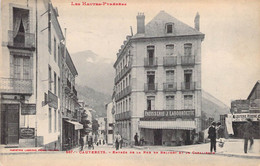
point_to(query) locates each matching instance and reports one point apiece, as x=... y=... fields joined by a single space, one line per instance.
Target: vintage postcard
x=130 y=82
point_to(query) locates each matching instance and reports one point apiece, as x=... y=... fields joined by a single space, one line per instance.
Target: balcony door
x=170 y=79
x=187 y=79
x=21 y=67
x=150 y=52
x=151 y=80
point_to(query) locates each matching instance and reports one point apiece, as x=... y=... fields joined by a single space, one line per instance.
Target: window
x=21 y=67
x=21 y=26
x=150 y=102
x=59 y=86
x=50 y=79
x=17 y=67
x=54 y=49
x=50 y=120
x=169 y=50
x=55 y=83
x=170 y=76
x=151 y=80
x=169 y=102
x=187 y=79
x=169 y=28
x=188 y=101
x=55 y=120
x=187 y=49
x=150 y=53
x=59 y=54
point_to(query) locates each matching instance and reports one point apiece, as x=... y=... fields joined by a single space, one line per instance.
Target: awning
x=77 y=125
x=184 y=125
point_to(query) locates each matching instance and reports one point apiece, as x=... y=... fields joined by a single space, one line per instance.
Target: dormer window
x=169 y=28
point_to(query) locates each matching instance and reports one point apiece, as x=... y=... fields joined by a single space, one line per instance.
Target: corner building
x=158 y=82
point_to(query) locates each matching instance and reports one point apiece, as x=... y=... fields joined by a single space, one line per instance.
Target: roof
x=156 y=27
x=251 y=93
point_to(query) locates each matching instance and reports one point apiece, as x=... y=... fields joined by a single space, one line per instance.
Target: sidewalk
x=232 y=148
x=12 y=150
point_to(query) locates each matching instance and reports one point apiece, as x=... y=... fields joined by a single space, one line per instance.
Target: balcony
x=123 y=93
x=21 y=40
x=123 y=72
x=75 y=91
x=123 y=116
x=150 y=87
x=16 y=86
x=170 y=61
x=170 y=87
x=187 y=60
x=67 y=86
x=188 y=86
x=150 y=62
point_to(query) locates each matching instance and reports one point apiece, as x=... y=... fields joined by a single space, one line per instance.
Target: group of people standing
x=89 y=141
x=217 y=131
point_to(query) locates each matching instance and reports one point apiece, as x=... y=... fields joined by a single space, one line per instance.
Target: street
x=131 y=156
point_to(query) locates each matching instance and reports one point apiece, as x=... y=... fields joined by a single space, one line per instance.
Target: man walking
x=248 y=134
x=212 y=136
x=117 y=140
x=136 y=139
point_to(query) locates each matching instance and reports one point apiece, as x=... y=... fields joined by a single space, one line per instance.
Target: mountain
x=213 y=107
x=94 y=71
x=95 y=99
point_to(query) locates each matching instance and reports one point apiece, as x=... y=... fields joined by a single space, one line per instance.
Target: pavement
x=232 y=148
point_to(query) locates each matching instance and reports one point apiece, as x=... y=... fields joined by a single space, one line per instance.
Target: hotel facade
x=157 y=89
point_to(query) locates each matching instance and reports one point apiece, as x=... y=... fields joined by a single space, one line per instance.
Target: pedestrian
x=81 y=141
x=248 y=134
x=117 y=139
x=121 y=142
x=90 y=142
x=212 y=136
x=136 y=139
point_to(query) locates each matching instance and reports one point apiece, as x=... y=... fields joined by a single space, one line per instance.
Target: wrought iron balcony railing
x=21 y=40
x=152 y=87
x=170 y=86
x=16 y=86
x=187 y=60
x=169 y=61
x=188 y=86
x=150 y=62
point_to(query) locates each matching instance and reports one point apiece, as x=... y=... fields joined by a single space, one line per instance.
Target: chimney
x=140 y=23
x=197 y=22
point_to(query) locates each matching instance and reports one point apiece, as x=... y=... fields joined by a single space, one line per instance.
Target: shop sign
x=185 y=114
x=243 y=117
x=28 y=109
x=27 y=133
x=52 y=100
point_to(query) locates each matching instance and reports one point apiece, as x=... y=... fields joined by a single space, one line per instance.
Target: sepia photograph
x=130 y=82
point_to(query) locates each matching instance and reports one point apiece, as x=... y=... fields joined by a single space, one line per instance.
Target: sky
x=230 y=50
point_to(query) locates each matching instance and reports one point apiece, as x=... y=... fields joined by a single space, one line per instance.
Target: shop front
x=71 y=133
x=168 y=127
x=16 y=124
x=240 y=119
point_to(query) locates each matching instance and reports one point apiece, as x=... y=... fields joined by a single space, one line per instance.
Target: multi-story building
x=110 y=123
x=31 y=75
x=158 y=82
x=243 y=109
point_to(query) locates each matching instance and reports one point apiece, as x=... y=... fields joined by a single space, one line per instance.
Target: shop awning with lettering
x=77 y=125
x=183 y=125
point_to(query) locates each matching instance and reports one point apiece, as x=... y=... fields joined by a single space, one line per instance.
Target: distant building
x=102 y=122
x=247 y=108
x=110 y=123
x=158 y=82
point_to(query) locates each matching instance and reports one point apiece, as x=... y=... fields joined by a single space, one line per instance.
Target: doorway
x=10 y=124
x=157 y=136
